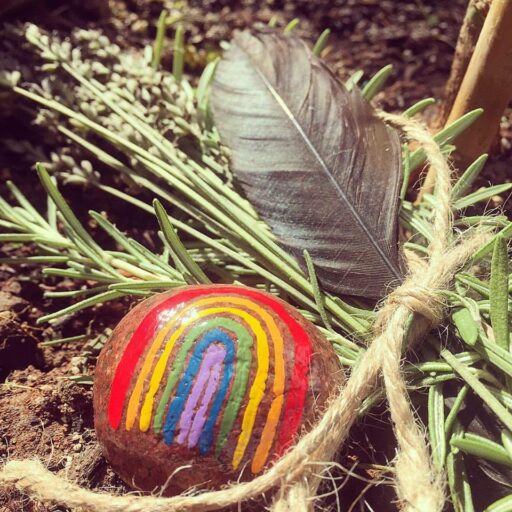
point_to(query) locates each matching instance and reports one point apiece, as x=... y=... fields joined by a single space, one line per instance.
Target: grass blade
x=202 y=93
x=181 y=254
x=502 y=505
x=506 y=441
x=419 y=107
x=62 y=341
x=479 y=388
x=146 y=285
x=469 y=176
x=447 y=134
x=178 y=57
x=316 y=290
x=159 y=40
x=481 y=447
x=506 y=233
x=466 y=325
x=454 y=410
x=26 y=205
x=291 y=26
x=97 y=299
x=354 y=79
x=321 y=42
x=64 y=208
x=436 y=424
x=460 y=489
x=481 y=195
x=499 y=293
x=377 y=82
x=495 y=354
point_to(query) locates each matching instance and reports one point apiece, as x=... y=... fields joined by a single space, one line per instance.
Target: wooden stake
x=468 y=36
x=487 y=83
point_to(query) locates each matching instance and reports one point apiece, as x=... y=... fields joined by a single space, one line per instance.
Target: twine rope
x=406 y=315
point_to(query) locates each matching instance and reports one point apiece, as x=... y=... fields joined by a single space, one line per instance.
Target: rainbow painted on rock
x=198 y=366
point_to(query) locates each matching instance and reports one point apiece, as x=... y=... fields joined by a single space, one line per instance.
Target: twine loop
x=419 y=486
x=418 y=299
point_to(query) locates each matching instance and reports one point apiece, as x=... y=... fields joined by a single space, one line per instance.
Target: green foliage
x=159 y=40
x=179 y=53
x=148 y=134
x=377 y=82
x=321 y=42
x=502 y=505
x=291 y=26
x=498 y=294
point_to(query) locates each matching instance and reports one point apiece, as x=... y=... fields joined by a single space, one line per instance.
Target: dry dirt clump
x=46 y=415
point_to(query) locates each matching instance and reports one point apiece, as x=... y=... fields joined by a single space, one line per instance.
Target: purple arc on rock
x=193 y=418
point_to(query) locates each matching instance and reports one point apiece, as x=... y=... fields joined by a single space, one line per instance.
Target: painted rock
x=208 y=384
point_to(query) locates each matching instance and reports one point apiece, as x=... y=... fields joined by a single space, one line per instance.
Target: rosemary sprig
x=153 y=134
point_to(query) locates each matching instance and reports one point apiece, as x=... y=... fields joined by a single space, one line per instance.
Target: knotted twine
x=406 y=315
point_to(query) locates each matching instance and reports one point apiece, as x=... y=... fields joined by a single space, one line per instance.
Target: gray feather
x=319 y=167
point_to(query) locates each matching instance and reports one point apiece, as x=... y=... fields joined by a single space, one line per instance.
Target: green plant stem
x=498 y=409
x=159 y=40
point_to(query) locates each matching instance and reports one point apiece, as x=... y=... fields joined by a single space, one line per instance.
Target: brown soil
x=43 y=412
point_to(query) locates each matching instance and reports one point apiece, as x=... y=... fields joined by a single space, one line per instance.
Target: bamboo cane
x=487 y=83
x=474 y=18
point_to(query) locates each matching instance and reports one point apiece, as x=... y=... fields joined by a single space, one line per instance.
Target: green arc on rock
x=242 y=370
